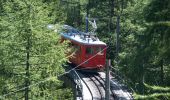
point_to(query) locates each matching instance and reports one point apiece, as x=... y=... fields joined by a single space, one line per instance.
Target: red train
x=89 y=51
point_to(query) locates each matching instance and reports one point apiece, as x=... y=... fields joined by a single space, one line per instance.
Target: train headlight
x=99 y=66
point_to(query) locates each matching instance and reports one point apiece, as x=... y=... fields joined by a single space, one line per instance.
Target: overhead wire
x=1 y=97
x=88 y=59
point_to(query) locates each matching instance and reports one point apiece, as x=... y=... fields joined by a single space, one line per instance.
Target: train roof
x=81 y=37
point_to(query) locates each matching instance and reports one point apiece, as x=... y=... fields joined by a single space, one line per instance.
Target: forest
x=31 y=56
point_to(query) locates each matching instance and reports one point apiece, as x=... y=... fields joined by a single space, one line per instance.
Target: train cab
x=89 y=51
x=94 y=56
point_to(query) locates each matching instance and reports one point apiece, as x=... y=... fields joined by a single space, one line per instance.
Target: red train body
x=89 y=51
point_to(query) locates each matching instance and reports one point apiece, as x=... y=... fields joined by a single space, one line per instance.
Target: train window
x=89 y=50
x=99 y=51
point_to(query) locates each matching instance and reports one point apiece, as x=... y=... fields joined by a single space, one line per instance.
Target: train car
x=90 y=52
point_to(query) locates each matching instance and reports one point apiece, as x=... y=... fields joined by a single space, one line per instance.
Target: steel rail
x=129 y=94
x=87 y=86
x=114 y=96
x=75 y=77
x=102 y=84
x=91 y=78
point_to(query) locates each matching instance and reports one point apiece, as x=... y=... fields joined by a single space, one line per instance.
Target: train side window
x=99 y=51
x=89 y=50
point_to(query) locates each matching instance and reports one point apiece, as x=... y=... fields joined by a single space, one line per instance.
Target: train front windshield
x=95 y=50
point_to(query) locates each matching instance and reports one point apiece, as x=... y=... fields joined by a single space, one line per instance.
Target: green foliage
x=158 y=11
x=157 y=88
x=154 y=93
x=144 y=37
x=144 y=56
x=143 y=52
x=155 y=96
x=24 y=33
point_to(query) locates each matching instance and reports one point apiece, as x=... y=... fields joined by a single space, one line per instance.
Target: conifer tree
x=32 y=56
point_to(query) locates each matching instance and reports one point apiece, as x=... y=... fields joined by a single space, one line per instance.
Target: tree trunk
x=27 y=70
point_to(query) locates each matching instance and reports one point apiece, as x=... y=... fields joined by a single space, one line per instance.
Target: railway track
x=96 y=86
x=118 y=90
x=102 y=81
x=92 y=86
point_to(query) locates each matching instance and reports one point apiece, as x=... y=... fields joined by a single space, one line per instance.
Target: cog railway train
x=90 y=52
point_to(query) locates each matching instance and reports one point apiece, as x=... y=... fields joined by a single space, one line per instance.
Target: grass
x=153 y=93
x=154 y=96
x=157 y=88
